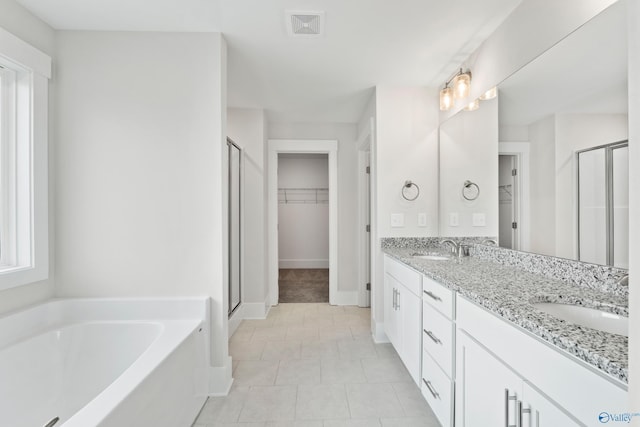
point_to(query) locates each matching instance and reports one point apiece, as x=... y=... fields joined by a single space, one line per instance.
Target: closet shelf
x=303 y=195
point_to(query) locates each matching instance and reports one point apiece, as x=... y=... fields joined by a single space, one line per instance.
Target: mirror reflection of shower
x=234 y=205
x=603 y=205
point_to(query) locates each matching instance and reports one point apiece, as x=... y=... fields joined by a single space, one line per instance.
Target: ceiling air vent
x=304 y=24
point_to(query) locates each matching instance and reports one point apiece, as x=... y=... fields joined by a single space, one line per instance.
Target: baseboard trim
x=379 y=336
x=255 y=310
x=303 y=263
x=235 y=319
x=220 y=379
x=346 y=298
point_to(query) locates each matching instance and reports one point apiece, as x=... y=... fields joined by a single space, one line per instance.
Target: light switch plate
x=454 y=219
x=397 y=220
x=422 y=220
x=479 y=220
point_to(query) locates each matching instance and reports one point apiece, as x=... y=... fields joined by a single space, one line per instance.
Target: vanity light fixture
x=490 y=94
x=459 y=89
x=473 y=105
x=462 y=84
x=446 y=98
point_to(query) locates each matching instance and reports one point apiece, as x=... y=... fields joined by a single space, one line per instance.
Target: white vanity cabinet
x=489 y=393
x=438 y=349
x=403 y=313
x=505 y=375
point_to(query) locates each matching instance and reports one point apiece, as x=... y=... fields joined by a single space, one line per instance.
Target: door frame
x=521 y=151
x=316 y=146
x=365 y=144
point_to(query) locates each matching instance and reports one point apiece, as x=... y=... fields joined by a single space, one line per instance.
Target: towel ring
x=470 y=190
x=407 y=188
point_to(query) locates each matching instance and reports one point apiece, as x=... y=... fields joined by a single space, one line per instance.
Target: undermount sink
x=434 y=256
x=585 y=316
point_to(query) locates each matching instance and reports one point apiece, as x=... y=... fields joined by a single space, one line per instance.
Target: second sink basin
x=432 y=256
x=585 y=316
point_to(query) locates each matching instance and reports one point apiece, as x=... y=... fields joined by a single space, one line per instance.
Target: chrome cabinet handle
x=433 y=337
x=508 y=399
x=432 y=390
x=432 y=295
x=398 y=301
x=520 y=412
x=394 y=299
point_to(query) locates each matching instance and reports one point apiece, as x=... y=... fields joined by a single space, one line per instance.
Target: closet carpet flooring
x=315 y=365
x=304 y=285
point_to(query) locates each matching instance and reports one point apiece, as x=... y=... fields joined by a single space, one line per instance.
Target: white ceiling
x=324 y=79
x=584 y=73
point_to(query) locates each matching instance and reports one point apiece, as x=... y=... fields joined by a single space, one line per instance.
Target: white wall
x=576 y=132
x=21 y=23
x=139 y=169
x=634 y=204
x=542 y=186
x=406 y=149
x=469 y=151
x=346 y=136
x=247 y=128
x=303 y=228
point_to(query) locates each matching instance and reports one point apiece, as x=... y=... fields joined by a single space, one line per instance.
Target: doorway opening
x=291 y=195
x=303 y=227
x=508 y=233
x=513 y=195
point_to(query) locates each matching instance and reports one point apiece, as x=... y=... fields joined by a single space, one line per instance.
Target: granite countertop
x=509 y=291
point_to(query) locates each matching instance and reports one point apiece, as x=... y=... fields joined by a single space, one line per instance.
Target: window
x=24 y=73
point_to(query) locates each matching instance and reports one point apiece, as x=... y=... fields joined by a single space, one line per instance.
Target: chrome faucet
x=458 y=249
x=453 y=245
x=623 y=280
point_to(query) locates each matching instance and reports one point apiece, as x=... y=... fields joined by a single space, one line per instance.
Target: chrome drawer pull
x=431 y=389
x=520 y=412
x=507 y=399
x=433 y=337
x=432 y=295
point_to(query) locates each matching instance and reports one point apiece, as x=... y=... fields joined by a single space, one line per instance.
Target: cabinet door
x=410 y=321
x=543 y=412
x=486 y=390
x=390 y=311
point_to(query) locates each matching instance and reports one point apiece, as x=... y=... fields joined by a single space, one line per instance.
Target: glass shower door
x=235 y=205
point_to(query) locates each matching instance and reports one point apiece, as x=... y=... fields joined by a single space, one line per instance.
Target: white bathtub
x=104 y=362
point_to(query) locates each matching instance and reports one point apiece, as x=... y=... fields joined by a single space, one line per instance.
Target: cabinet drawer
x=438 y=296
x=437 y=389
x=437 y=337
x=410 y=278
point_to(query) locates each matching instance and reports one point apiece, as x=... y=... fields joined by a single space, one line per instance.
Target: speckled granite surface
x=508 y=291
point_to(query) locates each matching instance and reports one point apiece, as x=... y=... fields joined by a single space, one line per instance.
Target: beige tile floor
x=315 y=365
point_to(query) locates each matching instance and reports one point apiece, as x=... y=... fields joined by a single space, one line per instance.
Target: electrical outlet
x=422 y=220
x=454 y=219
x=397 y=220
x=479 y=220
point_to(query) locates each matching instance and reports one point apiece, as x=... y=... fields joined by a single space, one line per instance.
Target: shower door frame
x=609 y=195
x=230 y=146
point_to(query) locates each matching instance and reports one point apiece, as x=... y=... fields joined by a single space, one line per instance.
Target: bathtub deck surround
x=104 y=362
x=507 y=282
x=315 y=365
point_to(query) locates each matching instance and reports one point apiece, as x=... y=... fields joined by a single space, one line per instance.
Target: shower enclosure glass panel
x=603 y=205
x=235 y=205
